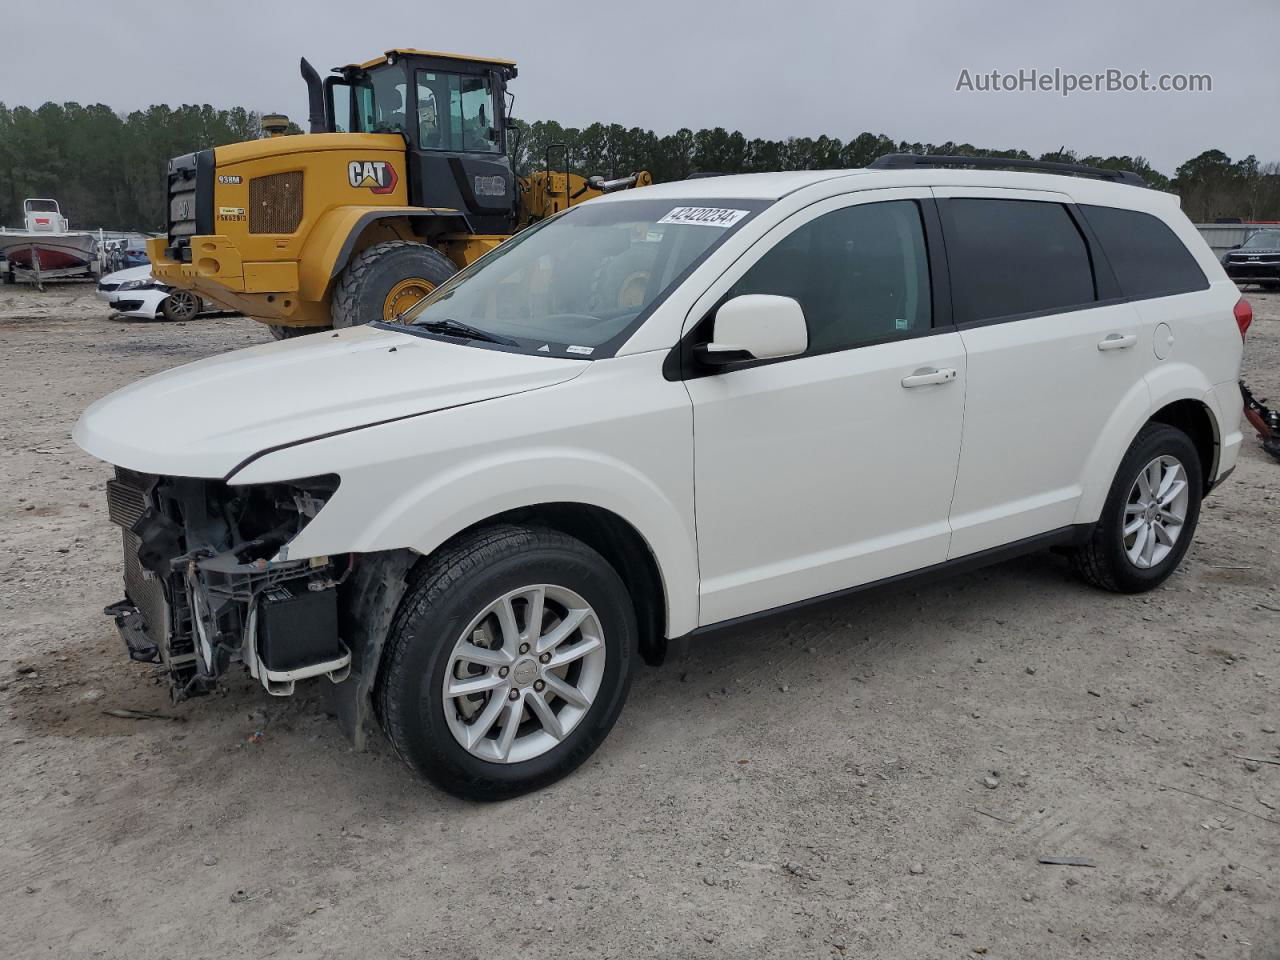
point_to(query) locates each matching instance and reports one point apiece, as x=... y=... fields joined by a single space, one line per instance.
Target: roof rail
x=908 y=161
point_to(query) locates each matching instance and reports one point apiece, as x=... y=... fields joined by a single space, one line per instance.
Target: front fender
x=415 y=483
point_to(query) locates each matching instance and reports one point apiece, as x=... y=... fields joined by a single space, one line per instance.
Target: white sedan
x=134 y=293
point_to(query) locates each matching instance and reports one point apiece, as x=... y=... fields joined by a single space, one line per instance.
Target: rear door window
x=1148 y=258
x=1011 y=258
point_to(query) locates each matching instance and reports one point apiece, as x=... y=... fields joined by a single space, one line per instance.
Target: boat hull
x=64 y=252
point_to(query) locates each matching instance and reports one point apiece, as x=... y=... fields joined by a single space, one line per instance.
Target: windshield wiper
x=454 y=328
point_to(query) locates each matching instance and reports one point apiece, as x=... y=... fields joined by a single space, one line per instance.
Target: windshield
x=1264 y=239
x=579 y=283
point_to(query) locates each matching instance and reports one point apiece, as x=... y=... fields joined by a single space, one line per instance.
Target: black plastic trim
x=205 y=168
x=1063 y=536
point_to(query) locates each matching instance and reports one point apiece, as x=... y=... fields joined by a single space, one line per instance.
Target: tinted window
x=1011 y=257
x=1148 y=258
x=861 y=274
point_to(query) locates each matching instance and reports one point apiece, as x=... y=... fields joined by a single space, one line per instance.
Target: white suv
x=664 y=411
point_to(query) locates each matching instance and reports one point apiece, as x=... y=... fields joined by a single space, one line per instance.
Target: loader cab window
x=455 y=113
x=340 y=107
x=380 y=101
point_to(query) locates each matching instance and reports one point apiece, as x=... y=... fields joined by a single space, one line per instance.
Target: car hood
x=206 y=418
x=1241 y=252
x=129 y=273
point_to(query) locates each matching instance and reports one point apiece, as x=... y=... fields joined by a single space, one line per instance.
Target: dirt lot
x=808 y=787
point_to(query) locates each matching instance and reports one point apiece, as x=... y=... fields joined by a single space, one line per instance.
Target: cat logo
x=377 y=175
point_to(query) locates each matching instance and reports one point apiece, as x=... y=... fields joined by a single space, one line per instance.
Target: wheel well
x=423 y=227
x=619 y=543
x=1195 y=420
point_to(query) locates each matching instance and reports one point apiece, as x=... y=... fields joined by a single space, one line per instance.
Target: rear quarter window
x=1147 y=257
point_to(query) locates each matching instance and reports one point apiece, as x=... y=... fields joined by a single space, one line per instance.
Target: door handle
x=929 y=375
x=1117 y=341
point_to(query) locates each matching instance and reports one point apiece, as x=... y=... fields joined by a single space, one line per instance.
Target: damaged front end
x=208 y=582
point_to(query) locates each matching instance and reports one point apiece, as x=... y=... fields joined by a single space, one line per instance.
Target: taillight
x=1244 y=316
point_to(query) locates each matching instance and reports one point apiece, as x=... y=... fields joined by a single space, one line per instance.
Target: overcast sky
x=770 y=69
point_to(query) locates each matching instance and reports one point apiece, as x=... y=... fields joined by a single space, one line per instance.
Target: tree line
x=107 y=169
x=1212 y=185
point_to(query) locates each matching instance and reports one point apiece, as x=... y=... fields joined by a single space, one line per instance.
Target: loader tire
x=386 y=280
x=279 y=332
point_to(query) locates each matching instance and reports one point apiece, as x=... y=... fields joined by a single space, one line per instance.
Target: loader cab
x=451 y=110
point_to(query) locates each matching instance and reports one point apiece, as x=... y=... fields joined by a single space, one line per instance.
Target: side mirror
x=755 y=326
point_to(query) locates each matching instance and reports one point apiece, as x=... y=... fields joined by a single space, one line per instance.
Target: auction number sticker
x=705 y=216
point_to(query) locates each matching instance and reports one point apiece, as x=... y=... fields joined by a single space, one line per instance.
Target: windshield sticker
x=585 y=351
x=705 y=216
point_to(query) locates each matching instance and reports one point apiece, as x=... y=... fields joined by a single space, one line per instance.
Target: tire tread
x=1095 y=561
x=349 y=290
x=443 y=572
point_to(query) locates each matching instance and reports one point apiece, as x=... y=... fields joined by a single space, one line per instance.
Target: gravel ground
x=875 y=777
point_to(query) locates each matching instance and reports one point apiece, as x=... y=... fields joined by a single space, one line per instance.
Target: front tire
x=1150 y=514
x=280 y=332
x=386 y=280
x=181 y=305
x=508 y=662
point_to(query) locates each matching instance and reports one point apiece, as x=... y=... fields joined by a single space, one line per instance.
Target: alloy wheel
x=524 y=673
x=182 y=305
x=1156 y=512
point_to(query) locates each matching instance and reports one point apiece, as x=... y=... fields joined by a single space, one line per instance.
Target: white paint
x=752 y=487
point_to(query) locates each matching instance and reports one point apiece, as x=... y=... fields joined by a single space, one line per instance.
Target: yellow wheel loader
x=405 y=177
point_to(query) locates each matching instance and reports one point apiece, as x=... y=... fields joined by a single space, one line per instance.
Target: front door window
x=455 y=113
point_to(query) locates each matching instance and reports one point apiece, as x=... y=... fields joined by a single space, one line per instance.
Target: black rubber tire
x=450 y=589
x=279 y=332
x=9 y=275
x=1102 y=561
x=366 y=281
x=166 y=308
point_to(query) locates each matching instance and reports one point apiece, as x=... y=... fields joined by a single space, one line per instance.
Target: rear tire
x=387 y=279
x=449 y=630
x=1129 y=550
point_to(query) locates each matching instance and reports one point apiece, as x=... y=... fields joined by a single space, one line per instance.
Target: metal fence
x=1223 y=236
